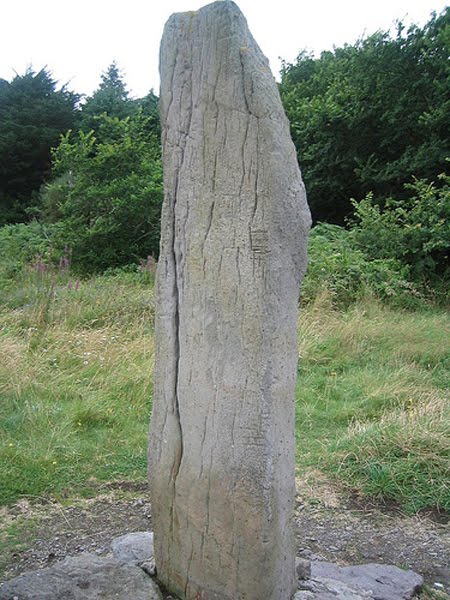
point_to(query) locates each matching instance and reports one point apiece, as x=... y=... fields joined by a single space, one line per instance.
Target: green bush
x=20 y=244
x=336 y=265
x=415 y=232
x=107 y=192
x=32 y=264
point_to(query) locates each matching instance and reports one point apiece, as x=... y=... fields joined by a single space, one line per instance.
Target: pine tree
x=111 y=98
x=33 y=115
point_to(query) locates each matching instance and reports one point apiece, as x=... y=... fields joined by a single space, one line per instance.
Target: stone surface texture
x=133 y=547
x=85 y=577
x=137 y=549
x=233 y=251
x=329 y=589
x=376 y=581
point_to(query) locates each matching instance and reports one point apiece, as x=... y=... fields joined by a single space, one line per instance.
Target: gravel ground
x=328 y=527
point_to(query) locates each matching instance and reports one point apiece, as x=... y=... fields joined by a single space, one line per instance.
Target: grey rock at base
x=233 y=251
x=303 y=568
x=84 y=577
x=380 y=582
x=329 y=589
x=135 y=548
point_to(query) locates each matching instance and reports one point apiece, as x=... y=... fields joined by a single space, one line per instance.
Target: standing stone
x=233 y=251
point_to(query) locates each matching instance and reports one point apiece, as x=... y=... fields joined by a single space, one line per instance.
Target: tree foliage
x=113 y=99
x=107 y=192
x=368 y=117
x=415 y=231
x=33 y=114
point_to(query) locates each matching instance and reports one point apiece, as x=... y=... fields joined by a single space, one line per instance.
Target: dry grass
x=372 y=401
x=76 y=389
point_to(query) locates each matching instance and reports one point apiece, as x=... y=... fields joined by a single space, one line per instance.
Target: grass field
x=76 y=389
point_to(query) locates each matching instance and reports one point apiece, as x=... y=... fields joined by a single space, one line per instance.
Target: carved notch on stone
x=259 y=242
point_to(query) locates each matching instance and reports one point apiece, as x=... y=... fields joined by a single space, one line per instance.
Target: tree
x=107 y=192
x=33 y=114
x=111 y=98
x=369 y=117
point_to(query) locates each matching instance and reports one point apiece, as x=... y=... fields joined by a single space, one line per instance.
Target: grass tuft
x=404 y=457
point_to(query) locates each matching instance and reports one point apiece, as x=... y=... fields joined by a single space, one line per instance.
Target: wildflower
x=40 y=265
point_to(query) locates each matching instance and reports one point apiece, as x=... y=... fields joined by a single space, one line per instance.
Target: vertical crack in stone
x=179 y=457
x=177 y=258
x=244 y=144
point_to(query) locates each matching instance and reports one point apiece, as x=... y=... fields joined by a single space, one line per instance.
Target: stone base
x=126 y=575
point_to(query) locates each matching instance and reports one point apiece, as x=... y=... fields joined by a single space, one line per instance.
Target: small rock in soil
x=133 y=547
x=303 y=568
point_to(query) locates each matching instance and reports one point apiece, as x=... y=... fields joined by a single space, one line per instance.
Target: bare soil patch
x=329 y=526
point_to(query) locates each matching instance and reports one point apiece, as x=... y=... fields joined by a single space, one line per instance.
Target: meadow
x=76 y=391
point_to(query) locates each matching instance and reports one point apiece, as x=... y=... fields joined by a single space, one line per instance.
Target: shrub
x=415 y=232
x=20 y=244
x=107 y=192
x=338 y=266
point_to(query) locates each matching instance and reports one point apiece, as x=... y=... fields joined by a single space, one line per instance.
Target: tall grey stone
x=233 y=251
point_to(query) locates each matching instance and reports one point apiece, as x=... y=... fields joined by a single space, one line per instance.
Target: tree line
x=370 y=122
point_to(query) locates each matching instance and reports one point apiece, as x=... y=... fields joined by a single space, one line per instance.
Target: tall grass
x=76 y=389
x=75 y=386
x=372 y=401
x=402 y=457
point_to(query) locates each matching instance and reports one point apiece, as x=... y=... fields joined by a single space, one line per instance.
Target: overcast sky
x=77 y=40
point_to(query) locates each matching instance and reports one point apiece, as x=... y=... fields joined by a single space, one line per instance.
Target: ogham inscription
x=233 y=251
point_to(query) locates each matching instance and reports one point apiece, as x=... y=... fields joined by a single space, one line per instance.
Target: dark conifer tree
x=33 y=115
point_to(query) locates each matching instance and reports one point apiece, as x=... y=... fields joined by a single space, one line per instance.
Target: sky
x=77 y=40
